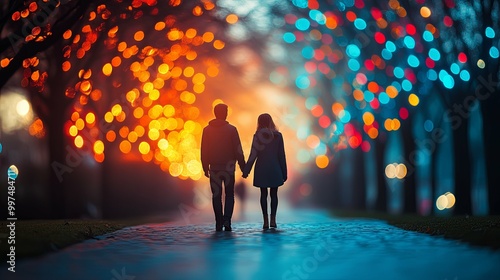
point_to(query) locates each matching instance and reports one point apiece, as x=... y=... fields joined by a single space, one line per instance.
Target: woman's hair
x=265 y=121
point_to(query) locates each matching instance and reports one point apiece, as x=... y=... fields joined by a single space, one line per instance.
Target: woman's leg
x=263 y=200
x=274 y=206
x=263 y=205
x=274 y=201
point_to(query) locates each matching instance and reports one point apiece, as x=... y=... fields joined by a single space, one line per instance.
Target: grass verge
x=37 y=237
x=475 y=230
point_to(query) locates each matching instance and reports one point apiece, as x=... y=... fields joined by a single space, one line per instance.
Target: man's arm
x=205 y=146
x=238 y=151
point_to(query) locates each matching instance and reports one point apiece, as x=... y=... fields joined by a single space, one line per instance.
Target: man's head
x=220 y=111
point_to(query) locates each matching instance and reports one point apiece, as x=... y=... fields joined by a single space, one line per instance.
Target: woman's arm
x=251 y=158
x=282 y=158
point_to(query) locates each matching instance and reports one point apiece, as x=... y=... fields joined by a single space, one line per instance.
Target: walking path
x=308 y=244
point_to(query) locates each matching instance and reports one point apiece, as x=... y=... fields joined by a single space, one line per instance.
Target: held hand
x=207 y=174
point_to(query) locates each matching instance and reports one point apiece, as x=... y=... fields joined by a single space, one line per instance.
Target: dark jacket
x=221 y=147
x=269 y=152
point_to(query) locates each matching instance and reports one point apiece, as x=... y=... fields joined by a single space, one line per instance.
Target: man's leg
x=229 y=200
x=216 y=187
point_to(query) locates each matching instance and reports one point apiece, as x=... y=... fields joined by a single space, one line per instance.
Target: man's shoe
x=227 y=226
x=218 y=228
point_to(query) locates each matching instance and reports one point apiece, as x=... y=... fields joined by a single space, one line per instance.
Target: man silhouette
x=220 y=149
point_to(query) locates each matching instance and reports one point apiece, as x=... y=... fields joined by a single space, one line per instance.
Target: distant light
x=23 y=107
x=13 y=172
x=302 y=24
x=413 y=99
x=344 y=116
x=383 y=98
x=399 y=72
x=464 y=75
x=386 y=54
x=434 y=54
x=462 y=57
x=409 y=42
x=441 y=202
x=481 y=64
x=302 y=82
x=432 y=75
x=289 y=37
x=353 y=64
x=489 y=32
x=353 y=51
x=360 y=24
x=390 y=46
x=322 y=161
x=451 y=199
x=494 y=52
x=428 y=125
x=454 y=68
x=413 y=61
x=428 y=36
x=303 y=156
x=425 y=12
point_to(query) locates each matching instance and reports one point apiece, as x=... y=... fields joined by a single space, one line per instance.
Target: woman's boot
x=273 y=221
x=266 y=222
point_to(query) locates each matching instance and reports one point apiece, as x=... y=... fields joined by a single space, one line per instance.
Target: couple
x=221 y=149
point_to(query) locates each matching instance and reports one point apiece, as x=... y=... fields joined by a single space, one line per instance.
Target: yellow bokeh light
x=80 y=124
x=107 y=69
x=391 y=91
x=368 y=118
x=190 y=33
x=219 y=45
x=188 y=72
x=481 y=64
x=73 y=131
x=322 y=161
x=160 y=26
x=175 y=169
x=153 y=134
x=441 y=202
x=125 y=147
x=163 y=68
x=139 y=36
x=99 y=147
x=23 y=107
x=108 y=117
x=232 y=18
x=451 y=199
x=208 y=37
x=390 y=171
x=144 y=148
x=401 y=171
x=78 y=141
x=413 y=99
x=116 y=110
x=163 y=144
x=132 y=137
x=90 y=118
x=425 y=12
x=168 y=110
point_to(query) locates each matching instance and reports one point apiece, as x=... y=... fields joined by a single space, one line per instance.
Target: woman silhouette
x=270 y=169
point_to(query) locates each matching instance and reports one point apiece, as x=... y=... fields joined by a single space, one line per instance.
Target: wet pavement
x=308 y=244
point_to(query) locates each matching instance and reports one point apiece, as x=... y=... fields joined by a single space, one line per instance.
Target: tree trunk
x=462 y=162
x=409 y=183
x=491 y=114
x=381 y=201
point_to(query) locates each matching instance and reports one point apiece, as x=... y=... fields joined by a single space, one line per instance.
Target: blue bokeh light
x=413 y=61
x=289 y=37
x=409 y=42
x=302 y=24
